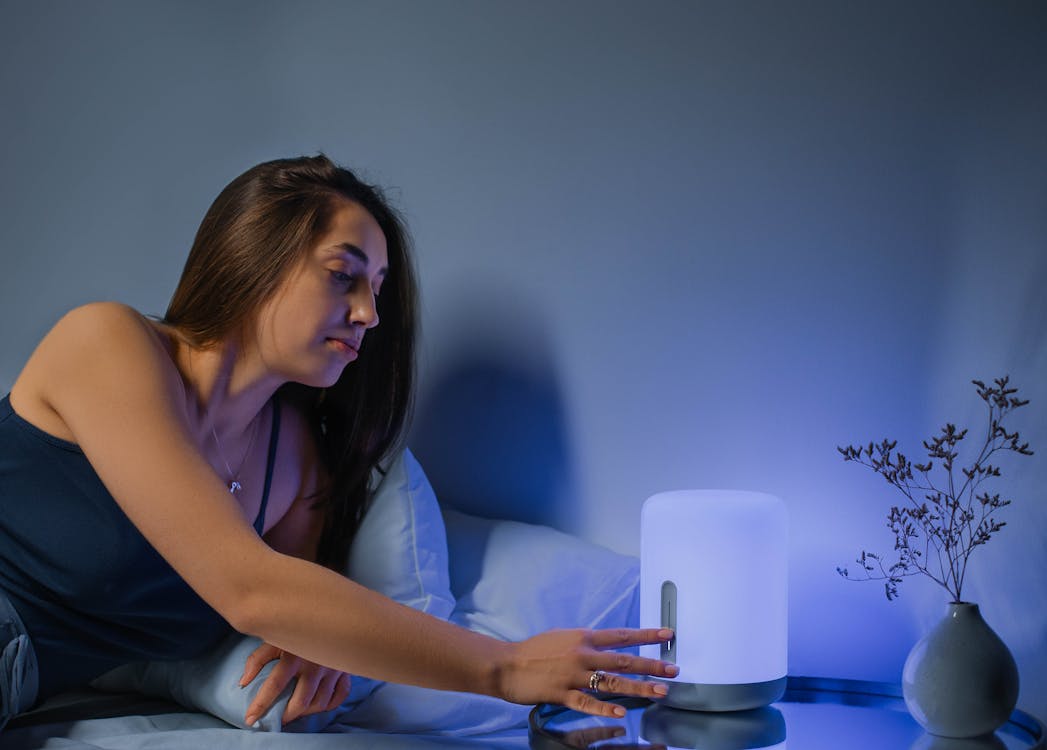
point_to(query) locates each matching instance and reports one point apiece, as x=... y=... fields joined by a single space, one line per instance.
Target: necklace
x=234 y=481
x=234 y=476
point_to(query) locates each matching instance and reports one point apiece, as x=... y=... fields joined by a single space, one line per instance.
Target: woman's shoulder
x=116 y=331
x=112 y=327
x=96 y=319
x=94 y=342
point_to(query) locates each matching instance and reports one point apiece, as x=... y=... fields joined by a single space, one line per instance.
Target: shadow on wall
x=492 y=439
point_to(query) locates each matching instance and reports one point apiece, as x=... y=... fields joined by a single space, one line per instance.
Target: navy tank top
x=91 y=590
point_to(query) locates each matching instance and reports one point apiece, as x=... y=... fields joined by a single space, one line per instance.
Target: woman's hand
x=559 y=666
x=319 y=688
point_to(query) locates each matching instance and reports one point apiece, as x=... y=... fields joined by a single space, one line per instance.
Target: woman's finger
x=324 y=692
x=609 y=682
x=343 y=686
x=258 y=659
x=630 y=664
x=302 y=697
x=622 y=637
x=270 y=690
x=585 y=703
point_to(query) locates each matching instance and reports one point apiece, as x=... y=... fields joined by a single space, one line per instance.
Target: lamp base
x=695 y=696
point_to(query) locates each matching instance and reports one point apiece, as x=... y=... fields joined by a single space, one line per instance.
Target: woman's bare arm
x=105 y=375
x=316 y=688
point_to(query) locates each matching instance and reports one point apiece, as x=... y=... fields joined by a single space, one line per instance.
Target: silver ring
x=595 y=678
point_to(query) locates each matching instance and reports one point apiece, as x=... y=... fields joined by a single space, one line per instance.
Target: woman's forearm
x=317 y=614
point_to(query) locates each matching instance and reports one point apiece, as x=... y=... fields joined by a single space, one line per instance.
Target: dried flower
x=944 y=520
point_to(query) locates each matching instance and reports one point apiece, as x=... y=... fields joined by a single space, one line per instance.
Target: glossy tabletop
x=814 y=714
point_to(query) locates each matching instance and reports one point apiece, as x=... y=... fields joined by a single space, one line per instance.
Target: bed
x=452 y=565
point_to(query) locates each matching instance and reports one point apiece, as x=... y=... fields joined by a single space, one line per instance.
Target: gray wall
x=662 y=245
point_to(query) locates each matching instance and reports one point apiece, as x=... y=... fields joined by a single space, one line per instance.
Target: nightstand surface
x=815 y=714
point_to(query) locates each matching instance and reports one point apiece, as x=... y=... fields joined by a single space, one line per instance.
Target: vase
x=960 y=680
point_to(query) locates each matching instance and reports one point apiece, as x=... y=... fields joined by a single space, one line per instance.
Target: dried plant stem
x=946 y=518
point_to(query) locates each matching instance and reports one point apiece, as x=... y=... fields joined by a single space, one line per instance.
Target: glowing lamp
x=714 y=567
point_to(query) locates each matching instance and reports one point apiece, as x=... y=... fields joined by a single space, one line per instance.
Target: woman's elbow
x=252 y=604
x=245 y=614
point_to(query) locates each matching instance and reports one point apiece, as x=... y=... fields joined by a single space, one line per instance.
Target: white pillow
x=401 y=546
x=512 y=580
x=400 y=550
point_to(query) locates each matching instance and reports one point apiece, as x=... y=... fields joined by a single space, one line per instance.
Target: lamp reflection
x=933 y=742
x=735 y=730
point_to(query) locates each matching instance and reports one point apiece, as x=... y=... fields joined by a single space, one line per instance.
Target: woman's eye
x=342 y=279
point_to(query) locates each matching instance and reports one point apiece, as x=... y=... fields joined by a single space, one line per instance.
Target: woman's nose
x=363 y=310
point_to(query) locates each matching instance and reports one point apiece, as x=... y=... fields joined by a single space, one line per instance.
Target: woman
x=161 y=481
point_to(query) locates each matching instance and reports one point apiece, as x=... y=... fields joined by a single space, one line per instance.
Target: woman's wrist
x=496 y=668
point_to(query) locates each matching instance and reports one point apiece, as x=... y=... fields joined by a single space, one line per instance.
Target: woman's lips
x=344 y=346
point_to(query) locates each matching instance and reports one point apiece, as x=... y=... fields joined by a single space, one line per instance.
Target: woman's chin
x=323 y=378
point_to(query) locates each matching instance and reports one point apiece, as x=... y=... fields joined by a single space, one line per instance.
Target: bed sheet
x=130 y=722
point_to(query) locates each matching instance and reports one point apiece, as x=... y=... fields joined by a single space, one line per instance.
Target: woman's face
x=315 y=323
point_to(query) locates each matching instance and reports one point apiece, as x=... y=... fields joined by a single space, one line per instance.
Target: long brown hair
x=256 y=230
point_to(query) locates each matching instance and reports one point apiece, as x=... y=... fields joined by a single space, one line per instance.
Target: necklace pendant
x=234 y=487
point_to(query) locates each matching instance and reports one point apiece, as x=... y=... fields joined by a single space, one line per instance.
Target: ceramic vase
x=960 y=680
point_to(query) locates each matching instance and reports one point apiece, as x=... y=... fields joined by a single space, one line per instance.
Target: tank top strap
x=274 y=437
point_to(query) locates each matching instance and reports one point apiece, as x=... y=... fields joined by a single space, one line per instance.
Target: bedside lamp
x=714 y=567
